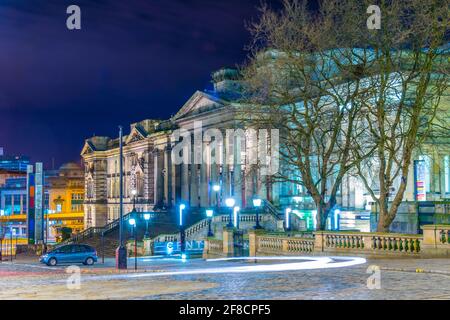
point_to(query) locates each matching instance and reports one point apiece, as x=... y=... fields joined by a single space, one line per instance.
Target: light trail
x=307 y=263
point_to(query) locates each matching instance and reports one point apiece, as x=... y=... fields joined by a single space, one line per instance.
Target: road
x=171 y=278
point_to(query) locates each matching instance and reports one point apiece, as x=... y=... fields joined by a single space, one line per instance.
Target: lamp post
x=132 y=222
x=257 y=204
x=287 y=219
x=134 y=193
x=146 y=218
x=216 y=189
x=121 y=251
x=236 y=217
x=210 y=214
x=182 y=235
x=230 y=204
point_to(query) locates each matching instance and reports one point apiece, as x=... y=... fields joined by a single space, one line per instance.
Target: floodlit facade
x=161 y=184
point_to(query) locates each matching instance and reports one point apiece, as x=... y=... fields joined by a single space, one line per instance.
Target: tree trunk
x=321 y=218
x=384 y=220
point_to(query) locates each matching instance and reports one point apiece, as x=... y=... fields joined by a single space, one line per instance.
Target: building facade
x=160 y=182
x=13 y=162
x=63 y=200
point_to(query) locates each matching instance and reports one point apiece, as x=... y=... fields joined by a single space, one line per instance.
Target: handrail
x=270 y=208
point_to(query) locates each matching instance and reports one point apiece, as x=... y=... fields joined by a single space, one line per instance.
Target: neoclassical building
x=149 y=170
x=160 y=183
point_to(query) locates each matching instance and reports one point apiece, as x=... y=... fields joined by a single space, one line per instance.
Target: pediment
x=87 y=148
x=136 y=134
x=198 y=103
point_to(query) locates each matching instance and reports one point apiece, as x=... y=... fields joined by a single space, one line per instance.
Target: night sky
x=132 y=60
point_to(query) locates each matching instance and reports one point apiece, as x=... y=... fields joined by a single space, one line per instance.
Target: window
x=427 y=171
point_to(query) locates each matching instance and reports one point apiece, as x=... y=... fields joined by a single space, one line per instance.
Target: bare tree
x=319 y=76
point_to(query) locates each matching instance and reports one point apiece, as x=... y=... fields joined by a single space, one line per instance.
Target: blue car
x=71 y=253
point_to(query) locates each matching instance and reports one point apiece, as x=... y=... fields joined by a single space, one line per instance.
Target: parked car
x=71 y=253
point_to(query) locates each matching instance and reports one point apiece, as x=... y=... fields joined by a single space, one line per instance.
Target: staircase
x=163 y=227
x=106 y=239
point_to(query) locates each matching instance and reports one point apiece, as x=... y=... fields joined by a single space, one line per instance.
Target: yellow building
x=66 y=196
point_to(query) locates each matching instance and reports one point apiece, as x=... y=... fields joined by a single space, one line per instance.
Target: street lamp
x=121 y=251
x=134 y=193
x=209 y=214
x=287 y=219
x=229 y=202
x=132 y=223
x=146 y=218
x=236 y=217
x=257 y=204
x=182 y=235
x=216 y=189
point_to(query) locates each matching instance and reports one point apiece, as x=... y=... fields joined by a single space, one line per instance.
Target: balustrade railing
x=215 y=246
x=370 y=242
x=272 y=244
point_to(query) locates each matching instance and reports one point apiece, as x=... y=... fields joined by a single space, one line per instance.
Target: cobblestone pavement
x=400 y=279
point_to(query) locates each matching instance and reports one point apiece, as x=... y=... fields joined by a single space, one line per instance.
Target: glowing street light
x=236 y=217
x=287 y=219
x=182 y=207
x=134 y=193
x=146 y=218
x=216 y=189
x=210 y=214
x=182 y=235
x=229 y=202
x=257 y=204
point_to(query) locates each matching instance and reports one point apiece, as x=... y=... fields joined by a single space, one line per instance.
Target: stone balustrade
x=266 y=244
x=367 y=243
x=213 y=248
x=435 y=241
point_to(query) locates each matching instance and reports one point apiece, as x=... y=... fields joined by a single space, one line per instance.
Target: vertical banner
x=30 y=204
x=419 y=183
x=39 y=209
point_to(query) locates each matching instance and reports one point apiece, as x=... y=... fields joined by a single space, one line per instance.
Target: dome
x=71 y=169
x=70 y=166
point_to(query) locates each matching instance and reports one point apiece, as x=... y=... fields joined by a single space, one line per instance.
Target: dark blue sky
x=131 y=60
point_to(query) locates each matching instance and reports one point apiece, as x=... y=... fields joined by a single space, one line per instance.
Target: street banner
x=420 y=167
x=39 y=203
x=30 y=204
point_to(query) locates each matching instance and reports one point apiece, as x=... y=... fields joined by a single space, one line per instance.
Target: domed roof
x=70 y=166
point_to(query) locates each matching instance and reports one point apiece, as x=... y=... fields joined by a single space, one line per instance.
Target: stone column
x=237 y=181
x=184 y=168
x=168 y=176
x=194 y=185
x=204 y=186
x=158 y=181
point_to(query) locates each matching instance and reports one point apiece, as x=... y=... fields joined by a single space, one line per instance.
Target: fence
x=435 y=241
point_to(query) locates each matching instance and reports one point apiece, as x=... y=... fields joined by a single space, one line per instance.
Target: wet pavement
x=171 y=278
